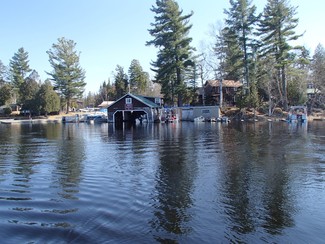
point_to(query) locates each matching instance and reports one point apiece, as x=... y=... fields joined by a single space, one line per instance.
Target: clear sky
x=110 y=33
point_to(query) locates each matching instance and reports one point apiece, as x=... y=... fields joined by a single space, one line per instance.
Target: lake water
x=162 y=183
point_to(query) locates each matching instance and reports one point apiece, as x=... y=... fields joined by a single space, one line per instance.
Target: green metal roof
x=145 y=101
x=139 y=98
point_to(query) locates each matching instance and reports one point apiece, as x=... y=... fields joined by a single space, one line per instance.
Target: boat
x=223 y=119
x=169 y=116
x=211 y=120
x=199 y=119
x=97 y=117
x=297 y=114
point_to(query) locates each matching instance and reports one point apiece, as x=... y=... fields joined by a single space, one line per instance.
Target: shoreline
x=58 y=119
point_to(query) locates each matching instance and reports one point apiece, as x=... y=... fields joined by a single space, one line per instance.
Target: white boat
x=224 y=119
x=97 y=117
x=297 y=114
x=199 y=119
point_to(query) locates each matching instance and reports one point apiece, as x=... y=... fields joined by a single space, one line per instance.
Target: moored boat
x=199 y=119
x=71 y=119
x=97 y=117
x=223 y=119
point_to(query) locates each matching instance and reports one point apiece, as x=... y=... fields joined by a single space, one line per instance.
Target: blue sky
x=110 y=33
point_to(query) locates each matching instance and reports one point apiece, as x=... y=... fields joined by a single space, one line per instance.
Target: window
x=310 y=86
x=157 y=100
x=205 y=111
x=128 y=100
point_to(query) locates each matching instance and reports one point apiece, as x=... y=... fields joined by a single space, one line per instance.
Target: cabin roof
x=225 y=83
x=106 y=103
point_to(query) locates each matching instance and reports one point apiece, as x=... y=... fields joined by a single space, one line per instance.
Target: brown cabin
x=212 y=92
x=132 y=108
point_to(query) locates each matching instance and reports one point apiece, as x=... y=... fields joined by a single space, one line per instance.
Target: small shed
x=132 y=108
x=208 y=112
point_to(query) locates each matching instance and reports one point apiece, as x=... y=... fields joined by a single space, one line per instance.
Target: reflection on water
x=71 y=154
x=167 y=183
x=174 y=183
x=256 y=186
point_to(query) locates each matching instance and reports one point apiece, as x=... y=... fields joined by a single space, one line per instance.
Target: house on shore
x=15 y=109
x=132 y=108
x=210 y=92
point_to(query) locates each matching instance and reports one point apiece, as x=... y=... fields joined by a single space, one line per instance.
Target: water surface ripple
x=162 y=183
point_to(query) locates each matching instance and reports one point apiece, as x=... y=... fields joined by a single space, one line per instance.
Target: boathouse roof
x=145 y=100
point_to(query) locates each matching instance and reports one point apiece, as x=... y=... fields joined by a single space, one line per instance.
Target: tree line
x=135 y=81
x=19 y=84
x=258 y=49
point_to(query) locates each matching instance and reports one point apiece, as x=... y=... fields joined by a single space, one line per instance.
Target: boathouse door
x=130 y=116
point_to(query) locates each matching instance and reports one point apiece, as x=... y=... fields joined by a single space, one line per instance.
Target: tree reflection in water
x=174 y=186
x=71 y=154
x=256 y=189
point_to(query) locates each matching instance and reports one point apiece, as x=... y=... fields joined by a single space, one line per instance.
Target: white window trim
x=128 y=100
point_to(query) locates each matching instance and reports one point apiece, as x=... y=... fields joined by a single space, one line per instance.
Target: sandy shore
x=29 y=121
x=26 y=120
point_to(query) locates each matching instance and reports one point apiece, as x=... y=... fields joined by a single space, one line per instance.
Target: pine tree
x=103 y=93
x=138 y=79
x=121 y=82
x=91 y=100
x=68 y=76
x=253 y=96
x=170 y=34
x=106 y=92
x=3 y=73
x=297 y=76
x=28 y=91
x=276 y=29
x=228 y=51
x=19 y=67
x=48 y=100
x=240 y=22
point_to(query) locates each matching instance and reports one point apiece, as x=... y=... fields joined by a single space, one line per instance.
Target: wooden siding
x=120 y=104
